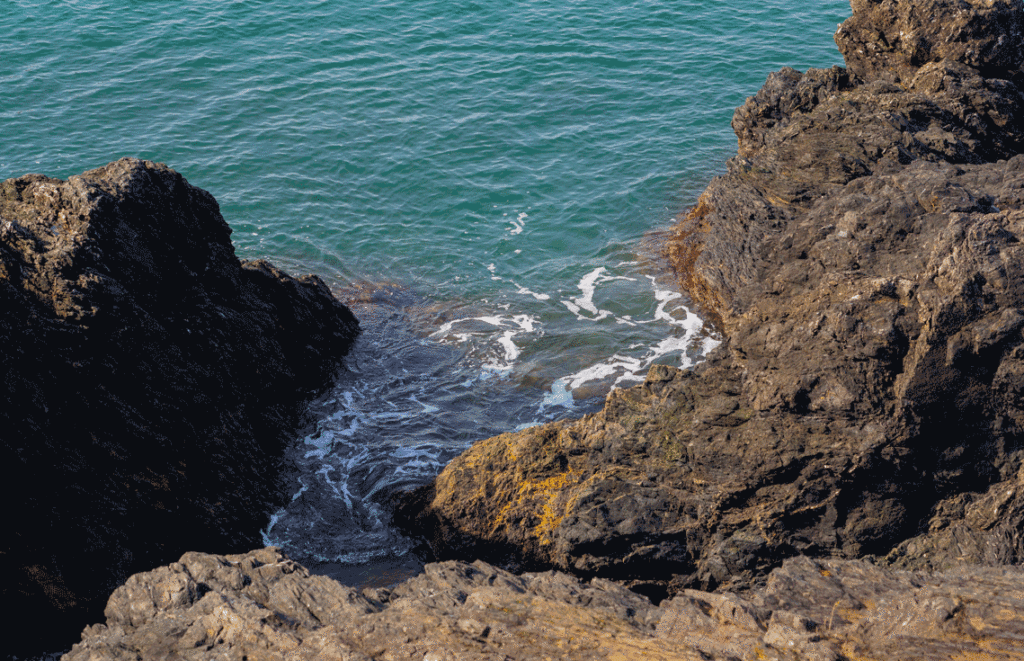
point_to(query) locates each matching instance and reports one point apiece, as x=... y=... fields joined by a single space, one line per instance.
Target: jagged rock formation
x=264 y=606
x=893 y=39
x=863 y=258
x=148 y=381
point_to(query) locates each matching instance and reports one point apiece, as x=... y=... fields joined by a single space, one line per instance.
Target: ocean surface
x=484 y=182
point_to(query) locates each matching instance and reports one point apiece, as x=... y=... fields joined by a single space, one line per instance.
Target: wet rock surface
x=149 y=379
x=261 y=605
x=862 y=256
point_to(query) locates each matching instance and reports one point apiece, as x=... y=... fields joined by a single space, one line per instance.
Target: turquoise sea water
x=477 y=178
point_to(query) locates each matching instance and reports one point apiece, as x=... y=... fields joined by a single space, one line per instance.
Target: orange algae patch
x=534 y=495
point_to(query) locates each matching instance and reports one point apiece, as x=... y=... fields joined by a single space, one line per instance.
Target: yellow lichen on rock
x=539 y=495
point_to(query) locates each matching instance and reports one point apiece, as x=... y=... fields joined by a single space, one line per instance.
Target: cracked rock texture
x=863 y=258
x=261 y=605
x=842 y=479
x=148 y=379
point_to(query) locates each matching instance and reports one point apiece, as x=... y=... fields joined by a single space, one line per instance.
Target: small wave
x=688 y=339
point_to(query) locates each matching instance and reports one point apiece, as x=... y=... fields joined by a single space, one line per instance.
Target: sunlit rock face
x=862 y=256
x=262 y=605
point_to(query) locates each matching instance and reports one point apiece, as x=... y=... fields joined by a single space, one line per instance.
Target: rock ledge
x=261 y=605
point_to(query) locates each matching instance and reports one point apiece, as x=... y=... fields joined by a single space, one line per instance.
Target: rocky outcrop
x=264 y=606
x=893 y=39
x=148 y=381
x=863 y=258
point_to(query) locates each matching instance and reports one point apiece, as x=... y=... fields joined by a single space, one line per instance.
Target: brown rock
x=863 y=258
x=261 y=605
x=892 y=39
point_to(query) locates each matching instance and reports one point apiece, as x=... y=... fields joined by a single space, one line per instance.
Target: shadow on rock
x=149 y=380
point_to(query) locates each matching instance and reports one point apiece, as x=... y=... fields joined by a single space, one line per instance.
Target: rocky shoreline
x=862 y=258
x=261 y=605
x=843 y=478
x=150 y=381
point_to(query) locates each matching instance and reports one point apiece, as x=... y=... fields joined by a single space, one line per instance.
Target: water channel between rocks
x=426 y=378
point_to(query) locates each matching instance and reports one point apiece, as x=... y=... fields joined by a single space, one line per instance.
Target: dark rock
x=261 y=605
x=863 y=258
x=149 y=380
x=892 y=39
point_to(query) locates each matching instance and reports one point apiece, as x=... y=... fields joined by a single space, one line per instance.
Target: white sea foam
x=519 y=288
x=560 y=395
x=494 y=361
x=270 y=526
x=620 y=369
x=344 y=423
x=682 y=334
x=518 y=224
x=588 y=287
x=305 y=487
x=523 y=290
x=709 y=344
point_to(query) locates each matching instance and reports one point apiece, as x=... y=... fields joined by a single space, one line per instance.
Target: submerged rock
x=262 y=605
x=863 y=258
x=149 y=380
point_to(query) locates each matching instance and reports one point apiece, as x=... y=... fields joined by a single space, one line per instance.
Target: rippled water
x=476 y=178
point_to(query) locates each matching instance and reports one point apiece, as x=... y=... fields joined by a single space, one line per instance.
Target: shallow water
x=426 y=379
x=477 y=179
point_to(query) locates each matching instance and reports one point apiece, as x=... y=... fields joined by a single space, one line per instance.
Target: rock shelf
x=261 y=605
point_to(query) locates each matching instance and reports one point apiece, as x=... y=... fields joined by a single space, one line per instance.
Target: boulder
x=862 y=257
x=262 y=605
x=149 y=381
